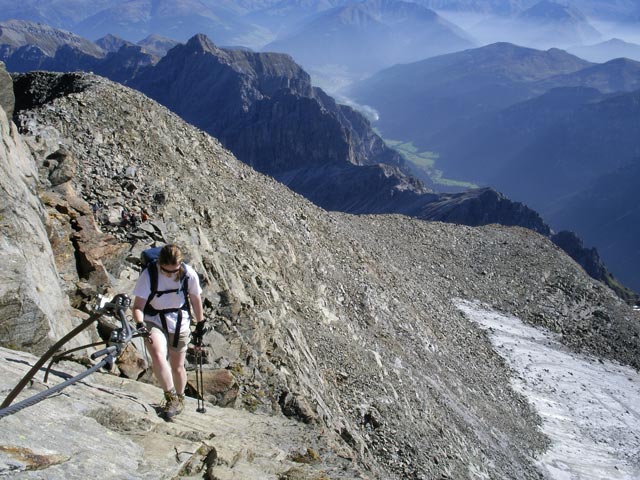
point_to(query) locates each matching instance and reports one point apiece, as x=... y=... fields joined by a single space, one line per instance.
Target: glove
x=142 y=330
x=201 y=329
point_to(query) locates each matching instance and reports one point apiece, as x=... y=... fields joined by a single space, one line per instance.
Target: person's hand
x=142 y=330
x=200 y=331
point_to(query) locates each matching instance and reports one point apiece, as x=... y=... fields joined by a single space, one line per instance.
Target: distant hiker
x=124 y=217
x=163 y=293
x=134 y=221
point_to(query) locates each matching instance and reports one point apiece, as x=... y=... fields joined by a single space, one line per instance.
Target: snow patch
x=589 y=406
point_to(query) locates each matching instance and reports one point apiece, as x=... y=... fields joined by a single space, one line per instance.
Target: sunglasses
x=166 y=270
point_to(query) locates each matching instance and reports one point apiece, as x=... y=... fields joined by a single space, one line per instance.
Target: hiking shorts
x=183 y=338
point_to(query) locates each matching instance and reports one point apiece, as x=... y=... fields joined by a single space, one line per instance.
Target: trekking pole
x=199 y=381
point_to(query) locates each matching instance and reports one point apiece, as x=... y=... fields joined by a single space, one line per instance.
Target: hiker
x=124 y=217
x=162 y=315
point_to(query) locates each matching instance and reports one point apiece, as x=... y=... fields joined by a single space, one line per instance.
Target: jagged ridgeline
x=345 y=322
x=264 y=109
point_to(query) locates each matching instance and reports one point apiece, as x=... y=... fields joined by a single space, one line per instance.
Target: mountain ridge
x=446 y=87
x=273 y=87
x=608 y=50
x=351 y=318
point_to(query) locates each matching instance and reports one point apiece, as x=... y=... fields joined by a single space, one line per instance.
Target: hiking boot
x=173 y=405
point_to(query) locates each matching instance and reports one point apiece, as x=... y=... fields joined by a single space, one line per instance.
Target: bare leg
x=176 y=360
x=158 y=352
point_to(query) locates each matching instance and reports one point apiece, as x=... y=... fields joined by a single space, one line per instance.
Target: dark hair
x=171 y=255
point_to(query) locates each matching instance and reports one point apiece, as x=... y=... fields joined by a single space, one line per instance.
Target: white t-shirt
x=168 y=300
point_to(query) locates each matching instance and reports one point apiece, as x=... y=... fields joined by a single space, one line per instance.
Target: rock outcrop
x=107 y=425
x=34 y=311
x=344 y=324
x=7 y=98
x=261 y=106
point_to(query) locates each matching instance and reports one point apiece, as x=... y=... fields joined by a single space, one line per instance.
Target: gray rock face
x=107 y=426
x=7 y=99
x=345 y=322
x=34 y=311
x=265 y=105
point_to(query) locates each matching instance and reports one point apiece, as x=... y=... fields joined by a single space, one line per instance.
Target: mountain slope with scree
x=346 y=323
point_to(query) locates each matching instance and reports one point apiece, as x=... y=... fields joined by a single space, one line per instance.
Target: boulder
x=220 y=386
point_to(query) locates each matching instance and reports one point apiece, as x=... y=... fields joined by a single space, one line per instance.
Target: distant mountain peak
x=19 y=33
x=546 y=10
x=364 y=37
x=111 y=43
x=157 y=44
x=608 y=50
x=616 y=41
x=201 y=43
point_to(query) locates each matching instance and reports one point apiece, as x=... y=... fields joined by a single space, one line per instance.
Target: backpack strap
x=184 y=285
x=152 y=268
x=163 y=319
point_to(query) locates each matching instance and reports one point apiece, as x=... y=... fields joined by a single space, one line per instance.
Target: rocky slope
x=270 y=116
x=278 y=123
x=345 y=323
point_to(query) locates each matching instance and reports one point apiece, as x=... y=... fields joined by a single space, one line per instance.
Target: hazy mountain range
x=365 y=37
x=256 y=23
x=608 y=50
x=541 y=126
x=441 y=110
x=620 y=10
x=416 y=101
x=545 y=24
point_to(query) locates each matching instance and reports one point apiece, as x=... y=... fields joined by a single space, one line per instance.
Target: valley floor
x=589 y=406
